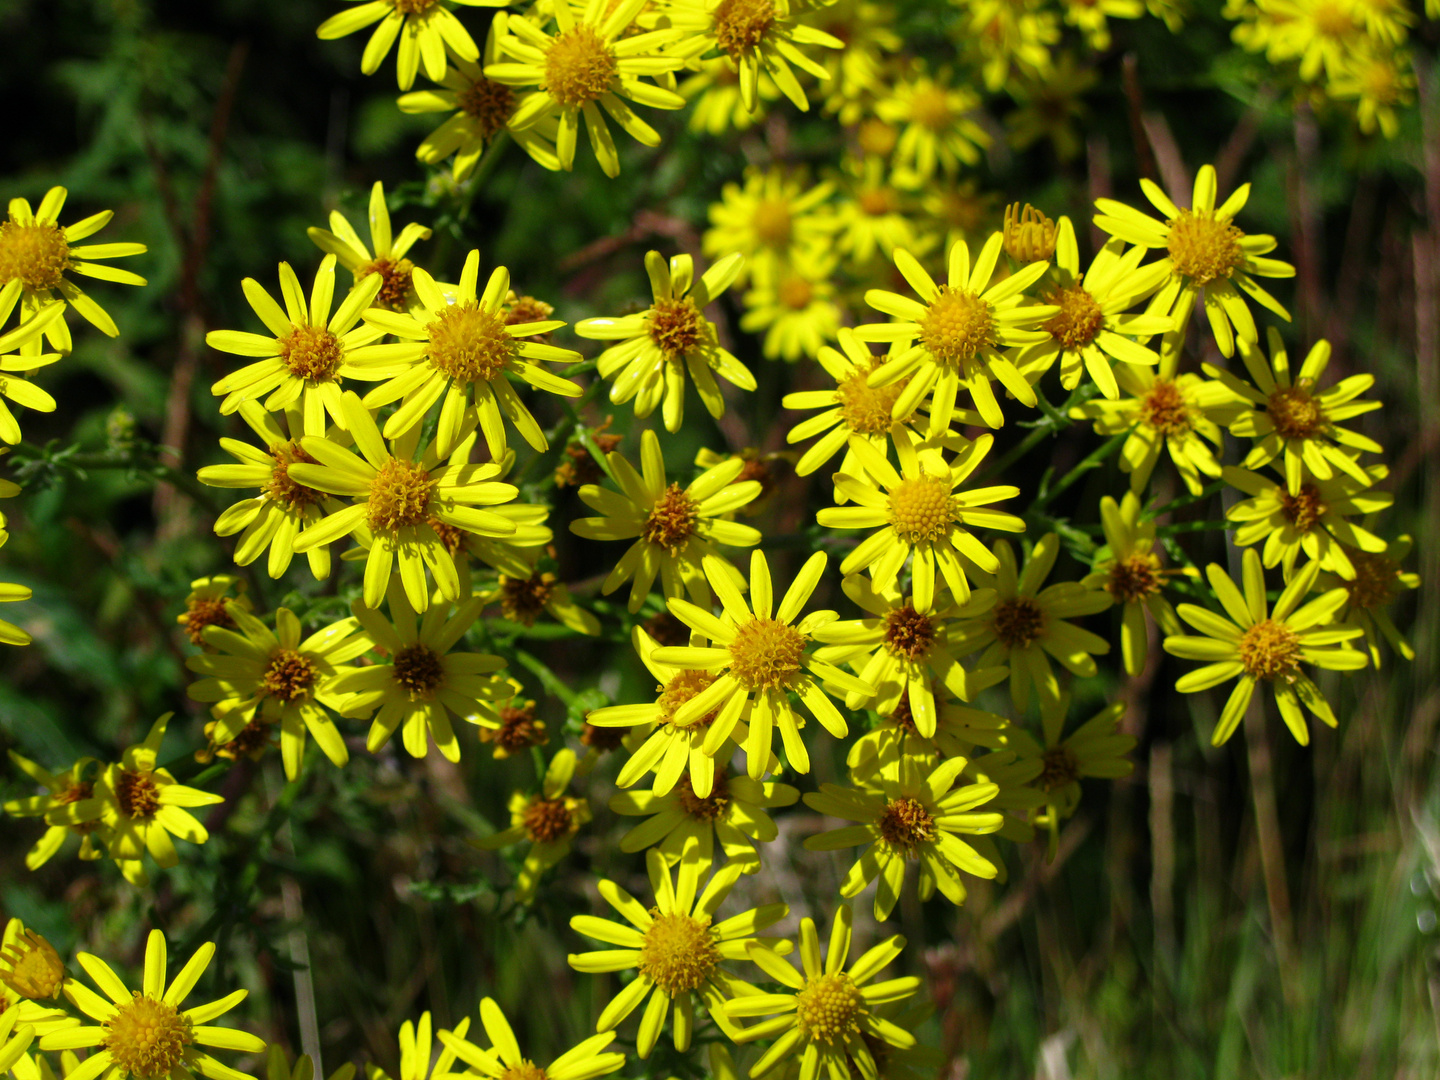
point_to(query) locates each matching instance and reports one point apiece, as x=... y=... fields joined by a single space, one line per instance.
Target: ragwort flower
x=548 y=819
x=384 y=255
x=504 y=1061
x=69 y=805
x=426 y=29
x=1129 y=570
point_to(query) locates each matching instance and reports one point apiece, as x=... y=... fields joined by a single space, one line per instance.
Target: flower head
x=426 y=29
x=503 y=1059
x=386 y=254
x=1377 y=582
x=548 y=820
x=69 y=806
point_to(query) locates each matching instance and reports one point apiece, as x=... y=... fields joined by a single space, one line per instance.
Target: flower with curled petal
x=386 y=254
x=426 y=29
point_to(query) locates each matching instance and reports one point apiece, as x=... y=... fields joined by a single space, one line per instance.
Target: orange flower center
x=1165 y=409
x=1078 y=320
x=312 y=353
x=1270 y=649
x=676 y=326
x=1304 y=510
x=547 y=820
x=740 y=25
x=1295 y=413
x=137 y=794
x=957 y=326
x=765 y=654
x=1203 y=247
x=490 y=103
x=1134 y=577
x=470 y=344
x=395 y=276
x=909 y=633
x=672 y=521
x=399 y=496
x=905 y=825
x=289 y=676
x=579 y=66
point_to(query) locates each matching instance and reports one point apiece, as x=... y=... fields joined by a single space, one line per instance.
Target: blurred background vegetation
x=1259 y=910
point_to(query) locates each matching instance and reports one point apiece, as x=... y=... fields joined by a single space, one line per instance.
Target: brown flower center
x=1079 y=319
x=905 y=825
x=1165 y=409
x=1375 y=580
x=518 y=729
x=909 y=633
x=1204 y=247
x=1134 y=577
x=1270 y=649
x=1058 y=768
x=289 y=676
x=206 y=611
x=395 y=281
x=137 y=794
x=547 y=820
x=676 y=326
x=707 y=809
x=602 y=739
x=36 y=255
x=523 y=600
x=1295 y=413
x=672 y=521
x=470 y=344
x=289 y=494
x=312 y=353
x=1304 y=510
x=399 y=496
x=740 y=25
x=1018 y=621
x=490 y=103
x=957 y=326
x=419 y=670
x=579 y=66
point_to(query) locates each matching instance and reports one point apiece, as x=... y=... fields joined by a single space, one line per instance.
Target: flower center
x=679 y=952
x=36 y=970
x=1134 y=577
x=930 y=108
x=311 y=352
x=1295 y=414
x=908 y=633
x=680 y=689
x=288 y=493
x=672 y=521
x=490 y=103
x=579 y=66
x=773 y=222
x=901 y=717
x=1078 y=320
x=523 y=600
x=602 y=739
x=1333 y=20
x=922 y=509
x=1375 y=576
x=1029 y=235
x=1303 y=510
x=740 y=25
x=147 y=1037
x=252 y=742
x=707 y=809
x=36 y=254
x=413 y=7
x=449 y=535
x=547 y=820
x=289 y=676
x=795 y=293
x=676 y=326
x=418 y=669
x=1203 y=247
x=957 y=326
x=829 y=1008
x=1268 y=649
x=526 y=1070
x=876 y=137
x=470 y=344
x=206 y=612
x=395 y=277
x=1058 y=767
x=527 y=309
x=905 y=824
x=518 y=729
x=876 y=202
x=1165 y=409
x=137 y=794
x=866 y=409
x=765 y=654
x=399 y=496
x=1018 y=622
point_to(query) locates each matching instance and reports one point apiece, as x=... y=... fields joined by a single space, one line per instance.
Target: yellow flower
x=1028 y=622
x=143 y=1033
x=311 y=354
x=829 y=1014
x=771 y=220
x=873 y=215
x=956 y=332
x=1287 y=417
x=30 y=971
x=16 y=368
x=674 y=529
x=387 y=258
x=1206 y=257
x=921 y=510
x=1007 y=37
x=671 y=337
x=675 y=949
x=504 y=1061
x=36 y=253
x=29 y=965
x=426 y=28
x=70 y=805
x=937 y=131
x=275 y=676
x=589 y=62
x=915 y=815
x=1379 y=81
x=1090 y=329
x=205 y=605
x=467 y=352
x=714 y=96
x=10 y=634
x=1052 y=107
x=1377 y=580
x=859 y=72
x=896 y=737
x=419 y=1057
x=733 y=813
x=423 y=681
x=763 y=657
x=1258 y=644
x=398 y=500
x=524 y=599
x=902 y=649
x=797 y=312
x=142 y=805
x=549 y=820
x=1129 y=570
x=1090 y=18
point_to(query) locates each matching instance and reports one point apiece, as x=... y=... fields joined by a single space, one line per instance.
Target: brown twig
x=1135 y=100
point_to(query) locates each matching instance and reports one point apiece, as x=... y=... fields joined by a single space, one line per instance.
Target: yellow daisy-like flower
x=591 y=61
x=1311 y=521
x=467 y=352
x=143 y=1033
x=398 y=501
x=669 y=338
x=1259 y=644
x=504 y=1061
x=1206 y=256
x=1288 y=419
x=69 y=806
x=426 y=28
x=920 y=510
x=423 y=682
x=716 y=105
x=956 y=332
x=829 y=1014
x=1091 y=17
x=762 y=656
x=675 y=949
x=384 y=255
x=902 y=649
x=854 y=411
x=1129 y=570
x=16 y=368
x=1007 y=37
x=142 y=805
x=874 y=217
x=1377 y=581
x=29 y=966
x=274 y=675
x=1028 y=623
x=859 y=72
x=674 y=529
x=36 y=253
x=548 y=819
x=1091 y=330
x=525 y=599
x=771 y=220
x=15 y=1038
x=205 y=605
x=914 y=815
x=896 y=740
x=936 y=129
x=311 y=354
x=1165 y=411
x=10 y=634
x=420 y=1058
x=509 y=722
x=1380 y=82
x=797 y=312
x=732 y=814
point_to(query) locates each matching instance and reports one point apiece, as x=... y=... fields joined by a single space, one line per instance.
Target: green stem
x=1090 y=461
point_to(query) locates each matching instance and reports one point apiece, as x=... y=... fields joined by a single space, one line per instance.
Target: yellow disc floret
x=1270 y=649
x=470 y=344
x=683 y=686
x=1165 y=409
x=672 y=520
x=1295 y=413
x=866 y=409
x=1079 y=319
x=740 y=25
x=147 y=1037
x=829 y=1008
x=36 y=254
x=1204 y=247
x=33 y=969
x=579 y=66
x=1029 y=235
x=957 y=326
x=312 y=352
x=765 y=654
x=679 y=952
x=399 y=496
x=676 y=326
x=922 y=510
x=906 y=824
